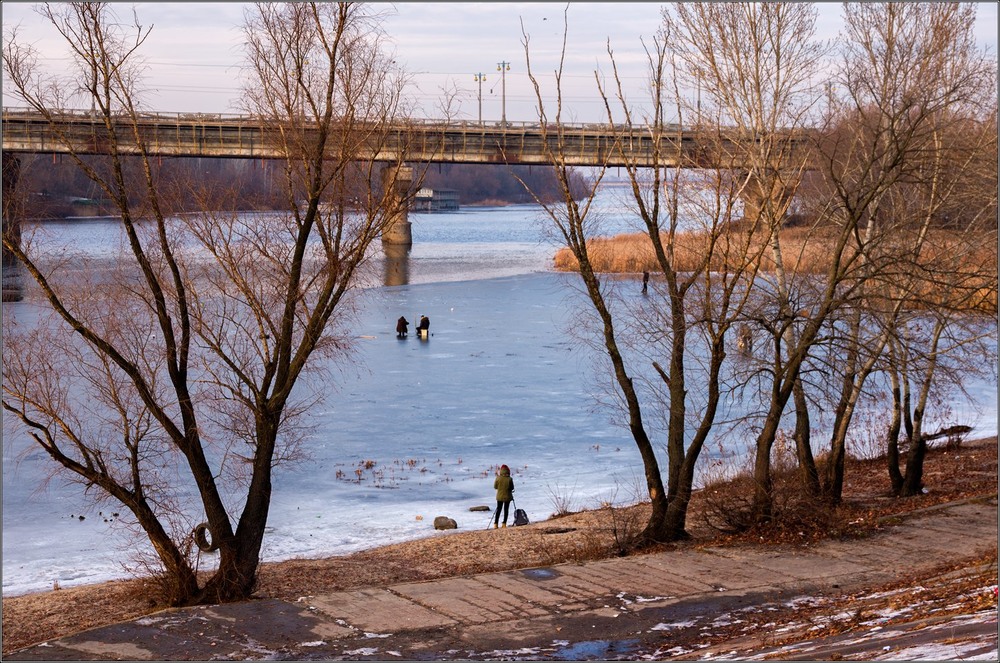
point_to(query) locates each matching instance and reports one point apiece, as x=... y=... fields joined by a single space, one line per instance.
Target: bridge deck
x=235 y=136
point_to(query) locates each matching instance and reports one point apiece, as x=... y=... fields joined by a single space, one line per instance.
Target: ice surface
x=499 y=381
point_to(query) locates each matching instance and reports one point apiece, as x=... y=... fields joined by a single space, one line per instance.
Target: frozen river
x=414 y=429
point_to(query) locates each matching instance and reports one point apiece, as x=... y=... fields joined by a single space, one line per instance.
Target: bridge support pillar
x=397 y=180
x=397 y=264
x=11 y=225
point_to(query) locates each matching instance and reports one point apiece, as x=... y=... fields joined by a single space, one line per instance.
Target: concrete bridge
x=417 y=141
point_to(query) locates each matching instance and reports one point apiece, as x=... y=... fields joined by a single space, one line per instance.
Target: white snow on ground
x=363 y=651
x=949 y=639
x=626 y=601
x=966 y=651
x=946 y=646
x=673 y=626
x=504 y=654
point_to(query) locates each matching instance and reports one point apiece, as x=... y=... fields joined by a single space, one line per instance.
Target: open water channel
x=413 y=428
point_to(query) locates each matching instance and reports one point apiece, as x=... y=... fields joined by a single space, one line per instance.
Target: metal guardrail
x=15 y=112
x=428 y=140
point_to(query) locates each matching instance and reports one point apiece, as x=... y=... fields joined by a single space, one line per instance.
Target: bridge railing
x=245 y=136
x=77 y=114
x=414 y=140
x=21 y=112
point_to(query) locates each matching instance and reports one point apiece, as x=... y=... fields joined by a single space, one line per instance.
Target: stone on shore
x=444 y=522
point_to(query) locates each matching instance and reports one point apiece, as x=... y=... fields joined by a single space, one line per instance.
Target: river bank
x=503 y=379
x=952 y=474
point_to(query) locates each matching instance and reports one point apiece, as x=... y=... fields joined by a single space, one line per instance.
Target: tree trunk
x=781 y=391
x=659 y=505
x=654 y=483
x=675 y=518
x=180 y=584
x=678 y=392
x=833 y=472
x=681 y=484
x=763 y=497
x=913 y=480
x=892 y=441
x=803 y=445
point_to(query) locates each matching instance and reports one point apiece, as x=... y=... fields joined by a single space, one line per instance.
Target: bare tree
x=913 y=89
x=174 y=380
x=707 y=261
x=571 y=219
x=686 y=204
x=757 y=62
x=945 y=330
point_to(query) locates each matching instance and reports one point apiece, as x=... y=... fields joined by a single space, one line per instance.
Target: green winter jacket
x=505 y=486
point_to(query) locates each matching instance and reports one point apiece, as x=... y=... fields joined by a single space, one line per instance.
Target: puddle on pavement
x=541 y=574
x=596 y=650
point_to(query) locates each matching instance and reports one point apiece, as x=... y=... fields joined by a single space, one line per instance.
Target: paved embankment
x=616 y=608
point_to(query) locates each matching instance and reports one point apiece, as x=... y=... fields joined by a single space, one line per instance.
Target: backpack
x=520 y=517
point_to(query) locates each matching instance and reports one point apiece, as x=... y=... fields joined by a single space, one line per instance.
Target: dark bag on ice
x=520 y=517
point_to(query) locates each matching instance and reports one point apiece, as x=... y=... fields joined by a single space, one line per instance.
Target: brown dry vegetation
x=950 y=474
x=805 y=251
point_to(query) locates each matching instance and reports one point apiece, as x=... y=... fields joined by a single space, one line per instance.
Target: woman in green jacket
x=504 y=485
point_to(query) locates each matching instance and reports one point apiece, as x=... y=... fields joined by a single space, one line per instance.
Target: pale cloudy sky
x=194 y=52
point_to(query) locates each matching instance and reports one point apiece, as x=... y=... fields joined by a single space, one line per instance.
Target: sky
x=194 y=52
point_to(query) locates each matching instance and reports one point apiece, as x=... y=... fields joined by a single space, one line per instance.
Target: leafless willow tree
x=175 y=379
x=945 y=330
x=705 y=255
x=572 y=221
x=686 y=204
x=757 y=62
x=910 y=134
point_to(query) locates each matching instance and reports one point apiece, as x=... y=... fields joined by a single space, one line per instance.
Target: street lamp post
x=479 y=78
x=503 y=68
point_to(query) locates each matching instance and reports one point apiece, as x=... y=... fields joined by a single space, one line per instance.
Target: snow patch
x=363 y=651
x=675 y=625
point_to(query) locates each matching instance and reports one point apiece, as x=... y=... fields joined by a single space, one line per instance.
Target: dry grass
x=951 y=271
x=949 y=475
x=804 y=251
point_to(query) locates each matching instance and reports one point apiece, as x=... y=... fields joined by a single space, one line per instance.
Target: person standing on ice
x=504 y=485
x=401 y=327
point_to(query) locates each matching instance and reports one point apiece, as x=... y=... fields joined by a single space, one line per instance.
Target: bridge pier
x=397 y=181
x=396 y=270
x=11 y=227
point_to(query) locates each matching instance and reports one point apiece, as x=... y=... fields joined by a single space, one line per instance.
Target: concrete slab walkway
x=605 y=609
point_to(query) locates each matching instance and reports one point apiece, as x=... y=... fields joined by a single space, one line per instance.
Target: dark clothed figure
x=645 y=282
x=423 y=327
x=401 y=327
x=504 y=485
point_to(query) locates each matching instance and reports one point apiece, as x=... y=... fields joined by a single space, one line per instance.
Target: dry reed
x=971 y=271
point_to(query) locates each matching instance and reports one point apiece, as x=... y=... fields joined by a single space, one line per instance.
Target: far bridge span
x=415 y=141
x=418 y=141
